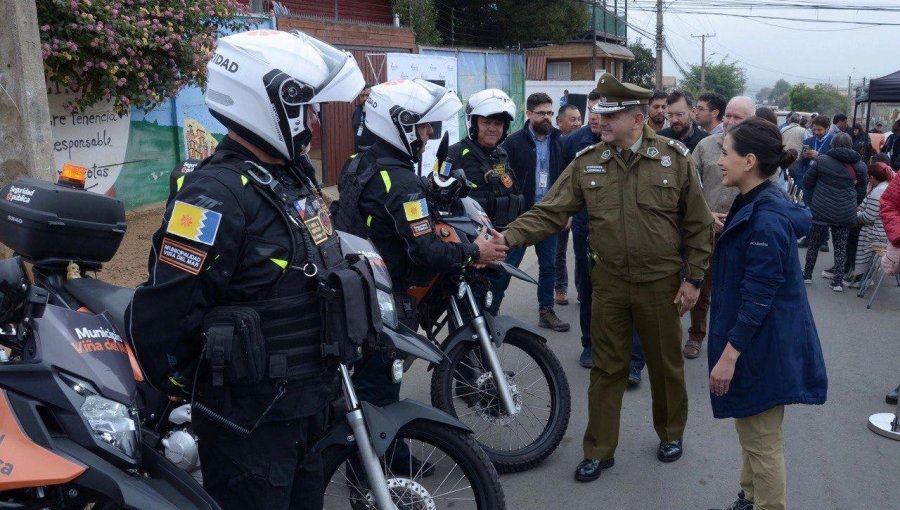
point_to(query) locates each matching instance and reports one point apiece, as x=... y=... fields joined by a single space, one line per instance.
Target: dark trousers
x=562 y=272
x=852 y=246
x=546 y=254
x=619 y=308
x=583 y=286
x=816 y=238
x=270 y=469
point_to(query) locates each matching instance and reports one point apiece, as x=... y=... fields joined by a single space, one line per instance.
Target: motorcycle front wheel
x=447 y=470
x=464 y=387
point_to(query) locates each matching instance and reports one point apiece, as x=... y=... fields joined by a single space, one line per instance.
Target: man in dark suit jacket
x=536 y=158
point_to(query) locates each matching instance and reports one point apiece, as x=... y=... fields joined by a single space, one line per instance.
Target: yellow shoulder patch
x=415 y=209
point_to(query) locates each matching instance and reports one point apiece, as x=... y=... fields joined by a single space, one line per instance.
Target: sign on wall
x=436 y=69
x=96 y=139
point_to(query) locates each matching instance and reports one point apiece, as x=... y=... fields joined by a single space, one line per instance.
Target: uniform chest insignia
x=652 y=152
x=605 y=154
x=415 y=209
x=194 y=223
x=594 y=169
x=499 y=169
x=506 y=180
x=666 y=161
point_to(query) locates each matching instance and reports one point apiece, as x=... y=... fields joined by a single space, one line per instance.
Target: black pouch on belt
x=235 y=346
x=351 y=312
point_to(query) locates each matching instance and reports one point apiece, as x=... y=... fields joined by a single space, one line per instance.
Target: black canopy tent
x=879 y=90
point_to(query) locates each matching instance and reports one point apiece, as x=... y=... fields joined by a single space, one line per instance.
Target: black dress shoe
x=891 y=398
x=669 y=452
x=589 y=470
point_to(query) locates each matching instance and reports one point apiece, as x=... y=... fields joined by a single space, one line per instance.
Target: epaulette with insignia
x=680 y=147
x=587 y=149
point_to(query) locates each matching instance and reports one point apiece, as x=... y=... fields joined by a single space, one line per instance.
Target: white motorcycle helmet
x=262 y=81
x=395 y=108
x=491 y=103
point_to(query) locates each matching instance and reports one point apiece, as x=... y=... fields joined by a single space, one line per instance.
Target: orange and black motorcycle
x=70 y=432
x=501 y=379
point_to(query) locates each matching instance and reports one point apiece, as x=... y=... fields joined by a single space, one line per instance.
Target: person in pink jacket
x=890 y=216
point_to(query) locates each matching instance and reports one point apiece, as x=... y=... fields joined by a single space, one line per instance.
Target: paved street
x=833 y=460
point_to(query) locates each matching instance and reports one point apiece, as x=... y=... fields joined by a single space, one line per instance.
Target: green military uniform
x=648 y=224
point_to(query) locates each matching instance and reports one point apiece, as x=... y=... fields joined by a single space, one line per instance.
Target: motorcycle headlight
x=113 y=423
x=388 y=309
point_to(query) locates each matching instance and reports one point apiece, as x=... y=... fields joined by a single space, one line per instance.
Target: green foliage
x=132 y=52
x=779 y=94
x=822 y=98
x=726 y=78
x=424 y=19
x=507 y=23
x=642 y=70
x=763 y=95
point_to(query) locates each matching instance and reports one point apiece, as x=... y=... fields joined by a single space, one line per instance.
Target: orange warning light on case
x=72 y=175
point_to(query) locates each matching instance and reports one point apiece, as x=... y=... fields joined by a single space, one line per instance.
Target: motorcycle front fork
x=370 y=462
x=488 y=349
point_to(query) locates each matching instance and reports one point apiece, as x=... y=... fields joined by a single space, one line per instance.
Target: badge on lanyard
x=542 y=181
x=499 y=169
x=316 y=218
x=506 y=180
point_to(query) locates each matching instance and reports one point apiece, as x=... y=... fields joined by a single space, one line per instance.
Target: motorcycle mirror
x=443 y=148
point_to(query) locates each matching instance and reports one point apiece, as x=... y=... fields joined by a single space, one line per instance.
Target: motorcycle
x=501 y=379
x=363 y=438
x=454 y=471
x=69 y=430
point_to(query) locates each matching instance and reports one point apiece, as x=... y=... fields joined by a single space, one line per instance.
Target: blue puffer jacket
x=759 y=305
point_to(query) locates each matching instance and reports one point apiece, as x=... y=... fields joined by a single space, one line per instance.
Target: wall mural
x=131 y=157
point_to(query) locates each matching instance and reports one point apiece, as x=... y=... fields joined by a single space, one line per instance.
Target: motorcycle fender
x=499 y=327
x=385 y=422
x=167 y=487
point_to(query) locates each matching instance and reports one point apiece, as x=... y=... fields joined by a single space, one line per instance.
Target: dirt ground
x=129 y=267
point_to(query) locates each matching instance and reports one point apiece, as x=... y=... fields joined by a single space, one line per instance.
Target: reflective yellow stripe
x=387 y=180
x=178 y=183
x=244 y=180
x=369 y=221
x=465 y=151
x=280 y=263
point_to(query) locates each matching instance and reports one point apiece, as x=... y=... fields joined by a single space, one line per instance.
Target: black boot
x=891 y=398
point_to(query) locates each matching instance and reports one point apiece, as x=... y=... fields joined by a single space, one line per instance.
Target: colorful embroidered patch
x=445 y=168
x=188 y=259
x=416 y=209
x=499 y=169
x=652 y=152
x=420 y=227
x=194 y=223
x=506 y=180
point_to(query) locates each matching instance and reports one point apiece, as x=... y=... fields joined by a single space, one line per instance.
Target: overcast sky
x=801 y=52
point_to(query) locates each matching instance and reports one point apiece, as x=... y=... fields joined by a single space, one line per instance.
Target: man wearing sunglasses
x=536 y=159
x=681 y=122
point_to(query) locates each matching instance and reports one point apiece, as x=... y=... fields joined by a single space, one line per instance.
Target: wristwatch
x=695 y=282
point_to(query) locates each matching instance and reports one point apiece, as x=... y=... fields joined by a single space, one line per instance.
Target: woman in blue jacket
x=764 y=351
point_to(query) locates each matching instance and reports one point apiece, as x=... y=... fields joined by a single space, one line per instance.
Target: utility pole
x=849 y=95
x=594 y=38
x=659 y=44
x=626 y=22
x=453 y=26
x=702 y=38
x=26 y=141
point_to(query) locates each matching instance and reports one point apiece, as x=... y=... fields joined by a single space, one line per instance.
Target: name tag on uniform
x=594 y=169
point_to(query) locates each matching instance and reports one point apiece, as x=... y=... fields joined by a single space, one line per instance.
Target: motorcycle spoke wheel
x=465 y=388
x=460 y=475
